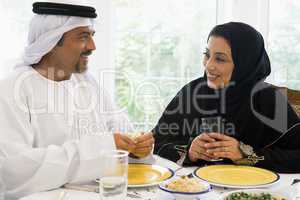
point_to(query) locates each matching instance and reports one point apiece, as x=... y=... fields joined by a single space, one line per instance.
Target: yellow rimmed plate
x=144 y=175
x=233 y=176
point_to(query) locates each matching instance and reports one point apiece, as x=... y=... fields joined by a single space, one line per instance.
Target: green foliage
x=284 y=42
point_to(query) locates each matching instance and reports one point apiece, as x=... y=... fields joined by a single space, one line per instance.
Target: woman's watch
x=249 y=156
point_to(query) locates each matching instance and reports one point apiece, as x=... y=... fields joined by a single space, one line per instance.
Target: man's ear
x=60 y=43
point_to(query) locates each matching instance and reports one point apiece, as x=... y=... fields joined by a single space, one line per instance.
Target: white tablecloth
x=153 y=193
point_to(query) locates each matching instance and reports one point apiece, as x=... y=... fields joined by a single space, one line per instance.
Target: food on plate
x=185 y=184
x=252 y=196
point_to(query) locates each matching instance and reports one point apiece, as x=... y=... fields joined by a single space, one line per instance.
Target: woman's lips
x=212 y=77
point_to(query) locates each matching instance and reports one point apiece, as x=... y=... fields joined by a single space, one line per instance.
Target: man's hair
x=61 y=41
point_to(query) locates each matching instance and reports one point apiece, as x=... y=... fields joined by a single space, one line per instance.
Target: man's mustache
x=87 y=53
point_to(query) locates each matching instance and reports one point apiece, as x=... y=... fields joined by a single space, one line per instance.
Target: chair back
x=293 y=97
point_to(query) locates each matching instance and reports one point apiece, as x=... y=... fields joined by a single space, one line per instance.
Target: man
x=54 y=118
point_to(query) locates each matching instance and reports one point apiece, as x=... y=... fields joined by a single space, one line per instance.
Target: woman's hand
x=223 y=147
x=198 y=150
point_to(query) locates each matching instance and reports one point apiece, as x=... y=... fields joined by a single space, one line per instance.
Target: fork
x=62 y=195
x=134 y=196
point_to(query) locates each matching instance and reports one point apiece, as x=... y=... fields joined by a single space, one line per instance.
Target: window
x=284 y=43
x=155 y=46
x=13 y=36
x=158 y=50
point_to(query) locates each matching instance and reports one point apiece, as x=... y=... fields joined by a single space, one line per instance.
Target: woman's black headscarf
x=251 y=62
x=248 y=52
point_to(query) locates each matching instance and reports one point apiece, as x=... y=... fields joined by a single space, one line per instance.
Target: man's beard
x=79 y=69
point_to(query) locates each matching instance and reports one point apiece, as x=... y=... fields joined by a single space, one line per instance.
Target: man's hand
x=198 y=150
x=224 y=147
x=143 y=145
x=123 y=142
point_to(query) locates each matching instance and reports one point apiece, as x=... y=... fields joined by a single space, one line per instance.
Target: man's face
x=73 y=51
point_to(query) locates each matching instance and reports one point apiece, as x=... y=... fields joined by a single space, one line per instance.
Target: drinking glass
x=113 y=182
x=212 y=125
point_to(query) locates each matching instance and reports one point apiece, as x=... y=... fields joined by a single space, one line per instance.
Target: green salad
x=249 y=196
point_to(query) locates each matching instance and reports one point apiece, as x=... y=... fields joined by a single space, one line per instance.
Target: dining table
x=285 y=184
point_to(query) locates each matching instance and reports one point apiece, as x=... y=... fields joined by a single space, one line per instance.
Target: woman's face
x=218 y=62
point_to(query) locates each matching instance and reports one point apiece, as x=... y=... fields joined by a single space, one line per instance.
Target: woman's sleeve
x=168 y=132
x=280 y=160
x=284 y=155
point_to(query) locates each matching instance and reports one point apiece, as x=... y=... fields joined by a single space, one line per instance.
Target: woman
x=252 y=123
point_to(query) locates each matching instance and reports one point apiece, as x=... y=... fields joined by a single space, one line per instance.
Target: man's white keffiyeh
x=45 y=32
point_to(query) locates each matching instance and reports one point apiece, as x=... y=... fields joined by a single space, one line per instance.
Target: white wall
x=253 y=12
x=102 y=61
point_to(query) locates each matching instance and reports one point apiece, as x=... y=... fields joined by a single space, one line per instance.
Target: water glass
x=212 y=125
x=114 y=180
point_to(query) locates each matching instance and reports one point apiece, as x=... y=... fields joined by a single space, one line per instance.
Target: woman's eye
x=206 y=54
x=220 y=60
